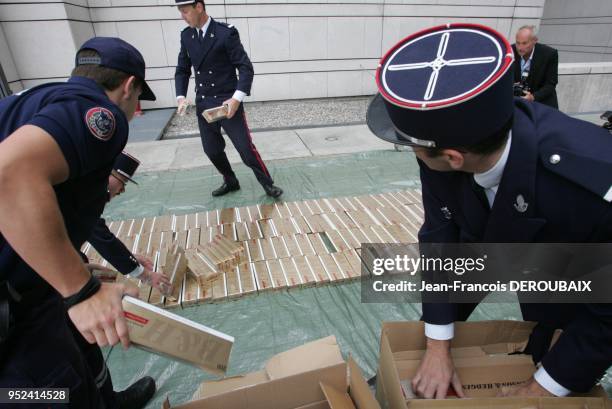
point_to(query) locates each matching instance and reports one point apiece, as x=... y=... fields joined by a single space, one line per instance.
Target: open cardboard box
x=312 y=376
x=480 y=353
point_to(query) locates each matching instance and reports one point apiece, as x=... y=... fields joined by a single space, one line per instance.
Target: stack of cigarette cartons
x=484 y=354
x=312 y=376
x=168 y=334
x=209 y=261
x=223 y=253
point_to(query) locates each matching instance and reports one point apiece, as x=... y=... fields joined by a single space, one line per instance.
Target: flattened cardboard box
x=162 y=332
x=290 y=380
x=480 y=353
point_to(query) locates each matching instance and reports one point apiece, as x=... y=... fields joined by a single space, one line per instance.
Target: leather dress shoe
x=137 y=395
x=273 y=191
x=225 y=189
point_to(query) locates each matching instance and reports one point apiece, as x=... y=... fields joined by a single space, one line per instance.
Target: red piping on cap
x=508 y=60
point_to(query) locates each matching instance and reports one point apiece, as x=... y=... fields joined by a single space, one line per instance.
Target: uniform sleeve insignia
x=101 y=123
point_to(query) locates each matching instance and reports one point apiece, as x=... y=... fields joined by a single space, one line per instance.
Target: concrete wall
x=585 y=87
x=580 y=29
x=300 y=48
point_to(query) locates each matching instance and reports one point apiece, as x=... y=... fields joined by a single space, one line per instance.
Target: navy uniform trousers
x=238 y=131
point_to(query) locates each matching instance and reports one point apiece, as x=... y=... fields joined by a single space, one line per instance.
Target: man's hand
x=232 y=106
x=157 y=280
x=144 y=261
x=100 y=317
x=528 y=96
x=529 y=388
x=183 y=104
x=436 y=372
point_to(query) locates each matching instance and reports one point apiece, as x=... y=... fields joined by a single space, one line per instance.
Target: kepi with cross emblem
x=446 y=86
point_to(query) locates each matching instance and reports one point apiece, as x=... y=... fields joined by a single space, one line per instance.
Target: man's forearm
x=32 y=223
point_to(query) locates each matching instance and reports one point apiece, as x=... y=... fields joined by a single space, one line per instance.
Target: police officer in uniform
x=214 y=50
x=498 y=170
x=110 y=247
x=58 y=143
x=115 y=252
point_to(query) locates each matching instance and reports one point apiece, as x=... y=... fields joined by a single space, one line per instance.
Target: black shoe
x=273 y=191
x=137 y=395
x=225 y=189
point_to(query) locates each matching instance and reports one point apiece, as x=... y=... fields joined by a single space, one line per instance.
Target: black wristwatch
x=90 y=288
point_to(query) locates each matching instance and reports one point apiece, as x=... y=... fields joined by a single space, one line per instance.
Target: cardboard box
x=162 y=332
x=480 y=353
x=312 y=376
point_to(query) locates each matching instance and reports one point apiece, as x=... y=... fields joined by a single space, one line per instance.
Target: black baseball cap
x=117 y=54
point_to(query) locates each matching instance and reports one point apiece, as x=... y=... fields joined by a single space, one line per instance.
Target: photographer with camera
x=535 y=68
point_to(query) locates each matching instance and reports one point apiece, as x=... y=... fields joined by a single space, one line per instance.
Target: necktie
x=481 y=195
x=200 y=36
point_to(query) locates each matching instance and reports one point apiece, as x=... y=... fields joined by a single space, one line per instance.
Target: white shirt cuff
x=239 y=95
x=135 y=273
x=440 y=332
x=547 y=382
x=179 y=97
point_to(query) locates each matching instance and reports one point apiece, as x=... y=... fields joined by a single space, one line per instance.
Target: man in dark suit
x=134 y=266
x=110 y=247
x=498 y=170
x=537 y=65
x=214 y=51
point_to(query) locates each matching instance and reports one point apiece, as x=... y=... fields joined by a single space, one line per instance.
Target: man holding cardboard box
x=215 y=52
x=497 y=170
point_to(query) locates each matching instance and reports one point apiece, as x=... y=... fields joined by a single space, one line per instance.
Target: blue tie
x=200 y=36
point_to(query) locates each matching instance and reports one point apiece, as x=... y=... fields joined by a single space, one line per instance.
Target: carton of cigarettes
x=159 y=331
x=215 y=114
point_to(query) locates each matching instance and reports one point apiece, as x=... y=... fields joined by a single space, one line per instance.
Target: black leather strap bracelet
x=90 y=288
